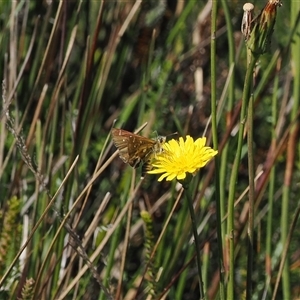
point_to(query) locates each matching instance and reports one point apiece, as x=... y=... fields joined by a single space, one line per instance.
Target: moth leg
x=136 y=163
x=146 y=167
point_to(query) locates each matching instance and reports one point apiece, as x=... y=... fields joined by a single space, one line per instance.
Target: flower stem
x=197 y=242
x=251 y=198
x=234 y=174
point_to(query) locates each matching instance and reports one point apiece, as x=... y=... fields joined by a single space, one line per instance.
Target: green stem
x=234 y=173
x=271 y=190
x=219 y=204
x=251 y=198
x=286 y=286
x=291 y=152
x=285 y=252
x=197 y=242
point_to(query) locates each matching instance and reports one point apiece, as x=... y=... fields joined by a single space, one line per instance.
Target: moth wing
x=121 y=142
x=142 y=147
x=124 y=141
x=139 y=149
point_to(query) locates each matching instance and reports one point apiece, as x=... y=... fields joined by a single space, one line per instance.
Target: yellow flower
x=181 y=157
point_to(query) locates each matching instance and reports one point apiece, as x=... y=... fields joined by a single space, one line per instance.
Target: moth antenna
x=174 y=133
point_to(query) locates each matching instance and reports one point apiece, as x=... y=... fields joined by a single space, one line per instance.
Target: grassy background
x=69 y=69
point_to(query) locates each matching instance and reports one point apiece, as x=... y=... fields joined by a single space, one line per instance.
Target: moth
x=135 y=149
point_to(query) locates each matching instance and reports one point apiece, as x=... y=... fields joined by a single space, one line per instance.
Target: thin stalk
x=284 y=234
x=271 y=192
x=206 y=264
x=115 y=241
x=231 y=101
x=184 y=277
x=124 y=252
x=215 y=143
x=251 y=197
x=197 y=242
x=285 y=251
x=110 y=260
x=234 y=173
x=268 y=265
x=291 y=149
